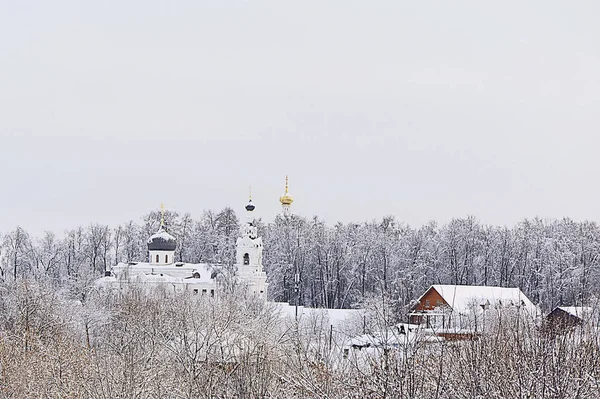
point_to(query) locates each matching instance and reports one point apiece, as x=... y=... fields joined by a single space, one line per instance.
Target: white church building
x=161 y=270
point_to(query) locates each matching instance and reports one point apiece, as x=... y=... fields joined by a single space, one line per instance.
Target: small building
x=567 y=317
x=459 y=311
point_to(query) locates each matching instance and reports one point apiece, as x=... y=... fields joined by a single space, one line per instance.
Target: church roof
x=162 y=241
x=191 y=273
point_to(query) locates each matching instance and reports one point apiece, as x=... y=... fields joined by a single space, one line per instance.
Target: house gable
x=562 y=318
x=429 y=300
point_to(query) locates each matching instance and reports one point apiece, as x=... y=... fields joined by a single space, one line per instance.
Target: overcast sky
x=421 y=110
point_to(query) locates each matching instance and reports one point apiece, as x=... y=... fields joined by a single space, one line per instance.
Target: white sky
x=422 y=110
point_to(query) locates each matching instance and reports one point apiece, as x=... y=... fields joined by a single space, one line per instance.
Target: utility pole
x=297 y=290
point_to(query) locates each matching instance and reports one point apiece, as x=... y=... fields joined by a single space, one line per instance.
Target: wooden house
x=459 y=311
x=567 y=317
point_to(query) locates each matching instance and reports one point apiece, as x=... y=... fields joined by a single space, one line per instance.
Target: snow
x=162 y=235
x=577 y=311
x=178 y=273
x=462 y=298
x=105 y=282
x=144 y=279
x=336 y=317
x=399 y=335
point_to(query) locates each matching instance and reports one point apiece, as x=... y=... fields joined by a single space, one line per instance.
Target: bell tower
x=249 y=248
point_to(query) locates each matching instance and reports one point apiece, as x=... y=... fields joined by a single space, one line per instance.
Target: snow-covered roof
x=155 y=278
x=398 y=335
x=105 y=282
x=462 y=298
x=577 y=311
x=162 y=234
x=175 y=272
x=152 y=280
x=336 y=317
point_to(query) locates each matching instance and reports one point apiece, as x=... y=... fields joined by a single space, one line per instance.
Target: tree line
x=555 y=262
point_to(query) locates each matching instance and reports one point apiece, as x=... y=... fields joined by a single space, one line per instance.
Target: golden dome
x=286 y=199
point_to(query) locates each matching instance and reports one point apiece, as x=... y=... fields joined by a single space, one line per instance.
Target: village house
x=568 y=317
x=459 y=311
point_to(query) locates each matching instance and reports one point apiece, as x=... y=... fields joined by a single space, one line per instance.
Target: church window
x=195 y=291
x=157 y=259
x=203 y=291
x=212 y=292
x=166 y=258
x=246 y=259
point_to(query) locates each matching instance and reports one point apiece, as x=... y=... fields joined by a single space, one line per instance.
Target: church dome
x=250 y=207
x=162 y=241
x=286 y=199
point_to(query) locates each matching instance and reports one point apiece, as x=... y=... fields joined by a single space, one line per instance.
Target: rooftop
x=462 y=298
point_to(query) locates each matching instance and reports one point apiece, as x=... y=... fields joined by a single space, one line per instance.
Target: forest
x=554 y=262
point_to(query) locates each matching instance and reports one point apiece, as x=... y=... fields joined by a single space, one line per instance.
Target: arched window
x=166 y=258
x=246 y=259
x=157 y=259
